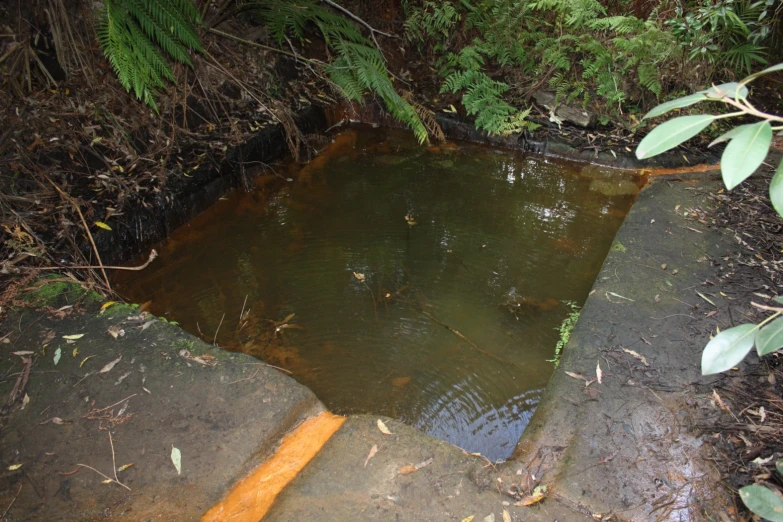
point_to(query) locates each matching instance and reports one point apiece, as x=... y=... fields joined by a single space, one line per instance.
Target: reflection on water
x=425 y=284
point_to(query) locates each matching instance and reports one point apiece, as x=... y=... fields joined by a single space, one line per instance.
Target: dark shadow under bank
x=185 y=197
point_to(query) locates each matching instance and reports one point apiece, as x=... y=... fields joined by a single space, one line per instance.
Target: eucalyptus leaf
x=778 y=67
x=770 y=338
x=726 y=136
x=727 y=349
x=776 y=189
x=679 y=103
x=731 y=90
x=763 y=501
x=745 y=153
x=671 y=133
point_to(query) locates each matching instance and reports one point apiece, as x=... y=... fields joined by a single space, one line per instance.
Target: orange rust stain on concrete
x=250 y=499
x=680 y=170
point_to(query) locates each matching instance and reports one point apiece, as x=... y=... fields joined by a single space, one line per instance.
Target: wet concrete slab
x=225 y=416
x=616 y=448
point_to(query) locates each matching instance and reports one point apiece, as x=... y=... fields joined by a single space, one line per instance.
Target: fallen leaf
x=506 y=516
x=468 y=519
x=14 y=467
x=490 y=518
x=383 y=428
x=719 y=402
x=107 y=304
x=24 y=353
x=107 y=481
x=599 y=374
x=85 y=360
x=110 y=365
x=124 y=467
x=637 y=355
x=25 y=401
x=576 y=376
x=73 y=337
x=538 y=495
x=405 y=470
x=358 y=276
x=762 y=414
x=176 y=458
x=102 y=225
x=57 y=354
x=116 y=331
x=372 y=453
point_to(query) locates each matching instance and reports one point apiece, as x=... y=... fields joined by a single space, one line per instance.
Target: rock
x=567 y=113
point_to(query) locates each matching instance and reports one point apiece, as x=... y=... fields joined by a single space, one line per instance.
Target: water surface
x=422 y=284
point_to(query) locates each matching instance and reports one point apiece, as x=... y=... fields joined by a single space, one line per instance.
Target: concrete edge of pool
x=619 y=448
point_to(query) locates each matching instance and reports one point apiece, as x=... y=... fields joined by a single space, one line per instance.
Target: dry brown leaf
x=111 y=365
x=372 y=453
x=383 y=428
x=538 y=495
x=637 y=355
x=406 y=470
x=719 y=402
x=116 y=331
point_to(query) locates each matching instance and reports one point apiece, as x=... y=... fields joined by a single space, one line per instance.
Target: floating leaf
x=14 y=467
x=57 y=354
x=102 y=225
x=671 y=133
x=110 y=365
x=372 y=453
x=776 y=189
x=745 y=153
x=763 y=501
x=73 y=337
x=679 y=103
x=383 y=428
x=770 y=338
x=727 y=349
x=176 y=459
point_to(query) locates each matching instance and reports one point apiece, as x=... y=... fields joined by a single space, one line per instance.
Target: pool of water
x=426 y=284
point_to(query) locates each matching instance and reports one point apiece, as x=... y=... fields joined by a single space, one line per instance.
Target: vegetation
x=747 y=148
x=565 y=329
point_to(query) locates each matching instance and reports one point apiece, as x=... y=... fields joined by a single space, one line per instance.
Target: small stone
x=663 y=266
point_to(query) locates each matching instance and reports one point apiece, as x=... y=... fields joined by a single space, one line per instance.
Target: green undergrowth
x=565 y=329
x=54 y=293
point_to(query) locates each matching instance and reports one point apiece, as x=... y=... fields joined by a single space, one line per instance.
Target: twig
x=214 y=339
x=12 y=503
x=471 y=343
x=243 y=309
x=153 y=255
x=245 y=379
x=104 y=476
x=113 y=461
x=86 y=228
x=115 y=404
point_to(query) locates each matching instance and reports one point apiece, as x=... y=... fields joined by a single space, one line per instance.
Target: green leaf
x=727 y=349
x=731 y=90
x=726 y=136
x=776 y=189
x=778 y=67
x=679 y=103
x=770 y=338
x=779 y=466
x=745 y=153
x=763 y=501
x=671 y=133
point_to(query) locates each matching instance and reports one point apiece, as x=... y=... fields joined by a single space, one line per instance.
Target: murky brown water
x=427 y=284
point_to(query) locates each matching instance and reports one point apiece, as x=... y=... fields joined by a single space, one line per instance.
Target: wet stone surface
x=224 y=418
